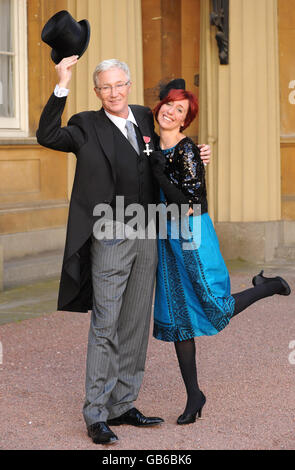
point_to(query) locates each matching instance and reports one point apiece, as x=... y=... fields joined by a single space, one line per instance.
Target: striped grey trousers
x=123 y=276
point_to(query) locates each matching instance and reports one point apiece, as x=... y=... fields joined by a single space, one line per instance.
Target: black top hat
x=66 y=36
x=177 y=83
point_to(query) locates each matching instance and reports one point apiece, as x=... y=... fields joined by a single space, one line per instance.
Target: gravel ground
x=245 y=372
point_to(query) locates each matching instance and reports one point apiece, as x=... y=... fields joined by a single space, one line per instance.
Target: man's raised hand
x=205 y=151
x=64 y=70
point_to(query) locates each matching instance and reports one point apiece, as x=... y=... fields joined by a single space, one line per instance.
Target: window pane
x=6 y=30
x=6 y=86
x=6 y=61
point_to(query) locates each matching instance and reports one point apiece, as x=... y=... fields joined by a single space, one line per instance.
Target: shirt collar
x=121 y=122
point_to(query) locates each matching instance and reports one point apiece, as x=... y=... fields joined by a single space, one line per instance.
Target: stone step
x=20 y=271
x=286 y=252
x=288 y=232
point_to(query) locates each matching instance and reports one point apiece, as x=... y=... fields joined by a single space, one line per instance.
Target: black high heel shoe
x=260 y=279
x=191 y=418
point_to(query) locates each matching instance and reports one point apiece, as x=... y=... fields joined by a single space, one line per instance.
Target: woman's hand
x=158 y=160
x=64 y=70
x=205 y=153
x=190 y=212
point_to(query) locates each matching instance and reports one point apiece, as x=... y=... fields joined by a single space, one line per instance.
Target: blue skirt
x=193 y=286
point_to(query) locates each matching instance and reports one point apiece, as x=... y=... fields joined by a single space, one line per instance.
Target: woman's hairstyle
x=176 y=95
x=110 y=64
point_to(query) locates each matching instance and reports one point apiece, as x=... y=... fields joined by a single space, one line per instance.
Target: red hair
x=177 y=95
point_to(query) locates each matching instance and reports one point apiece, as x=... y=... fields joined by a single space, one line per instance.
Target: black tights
x=247 y=297
x=186 y=350
x=186 y=355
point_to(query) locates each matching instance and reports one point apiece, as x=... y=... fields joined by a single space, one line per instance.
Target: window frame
x=17 y=126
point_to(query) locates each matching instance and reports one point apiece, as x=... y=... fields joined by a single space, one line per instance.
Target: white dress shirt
x=61 y=92
x=121 y=122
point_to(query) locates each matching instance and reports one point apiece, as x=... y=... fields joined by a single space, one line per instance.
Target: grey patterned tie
x=131 y=136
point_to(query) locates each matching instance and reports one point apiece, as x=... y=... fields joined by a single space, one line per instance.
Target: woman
x=193 y=295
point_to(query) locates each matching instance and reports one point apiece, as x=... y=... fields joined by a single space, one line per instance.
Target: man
x=113 y=278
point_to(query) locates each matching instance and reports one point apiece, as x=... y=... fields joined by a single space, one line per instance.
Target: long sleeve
x=182 y=175
x=172 y=193
x=191 y=171
x=50 y=133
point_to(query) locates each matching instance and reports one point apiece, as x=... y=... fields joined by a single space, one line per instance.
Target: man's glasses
x=106 y=89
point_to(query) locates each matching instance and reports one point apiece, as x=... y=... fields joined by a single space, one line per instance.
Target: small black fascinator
x=177 y=83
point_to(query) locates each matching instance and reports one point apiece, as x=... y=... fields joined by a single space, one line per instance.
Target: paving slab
x=247 y=373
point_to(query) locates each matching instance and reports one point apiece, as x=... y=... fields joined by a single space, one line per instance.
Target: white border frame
x=18 y=125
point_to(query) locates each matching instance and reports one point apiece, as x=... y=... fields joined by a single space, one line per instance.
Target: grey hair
x=110 y=64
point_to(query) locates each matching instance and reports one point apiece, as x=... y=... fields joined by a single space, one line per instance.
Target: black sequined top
x=180 y=173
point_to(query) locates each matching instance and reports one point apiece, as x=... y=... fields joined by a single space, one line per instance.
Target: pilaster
x=240 y=114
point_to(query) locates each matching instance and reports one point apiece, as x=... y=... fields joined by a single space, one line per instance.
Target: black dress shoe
x=260 y=279
x=135 y=418
x=101 y=433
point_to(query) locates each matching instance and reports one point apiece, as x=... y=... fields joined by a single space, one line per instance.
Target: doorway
x=171 y=48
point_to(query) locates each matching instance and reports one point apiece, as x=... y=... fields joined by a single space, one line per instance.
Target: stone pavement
x=247 y=372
